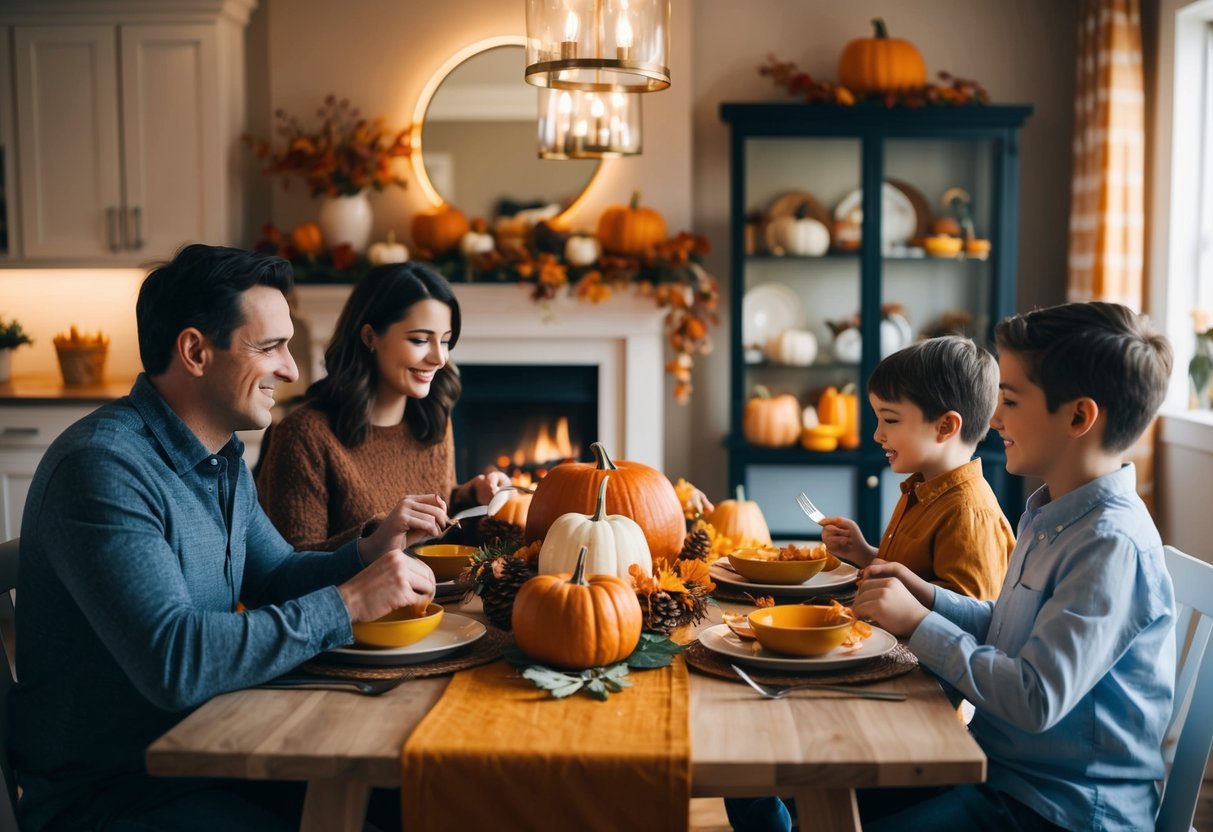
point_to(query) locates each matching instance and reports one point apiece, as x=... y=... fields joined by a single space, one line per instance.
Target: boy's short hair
x=1102 y=351
x=942 y=374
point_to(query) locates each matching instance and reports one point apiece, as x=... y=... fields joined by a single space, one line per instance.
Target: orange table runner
x=498 y=753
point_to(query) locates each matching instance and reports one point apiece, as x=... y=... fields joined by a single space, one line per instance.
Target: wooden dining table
x=814 y=746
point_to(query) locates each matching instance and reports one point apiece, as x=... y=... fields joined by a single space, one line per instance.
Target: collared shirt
x=951 y=531
x=136 y=545
x=1072 y=669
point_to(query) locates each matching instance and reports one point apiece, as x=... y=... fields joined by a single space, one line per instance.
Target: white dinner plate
x=898 y=220
x=454 y=631
x=768 y=309
x=720 y=639
x=840 y=576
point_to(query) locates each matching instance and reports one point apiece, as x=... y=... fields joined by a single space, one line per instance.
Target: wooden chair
x=8 y=585
x=1190 y=734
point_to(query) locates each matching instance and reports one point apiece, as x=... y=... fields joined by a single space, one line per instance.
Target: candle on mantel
x=568 y=46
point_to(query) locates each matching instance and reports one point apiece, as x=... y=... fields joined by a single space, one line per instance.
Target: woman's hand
x=482 y=487
x=392 y=581
x=415 y=517
x=844 y=540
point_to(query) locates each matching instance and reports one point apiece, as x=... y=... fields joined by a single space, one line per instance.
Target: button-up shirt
x=1072 y=669
x=136 y=544
x=951 y=531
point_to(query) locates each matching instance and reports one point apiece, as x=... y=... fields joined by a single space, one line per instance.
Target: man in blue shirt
x=141 y=534
x=1071 y=670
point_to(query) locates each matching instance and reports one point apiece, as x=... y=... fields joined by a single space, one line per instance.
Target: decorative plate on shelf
x=454 y=631
x=767 y=310
x=720 y=639
x=898 y=221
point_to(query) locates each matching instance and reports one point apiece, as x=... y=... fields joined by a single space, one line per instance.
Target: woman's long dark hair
x=383 y=297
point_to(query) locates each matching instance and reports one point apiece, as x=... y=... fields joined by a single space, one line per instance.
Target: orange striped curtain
x=1107 y=203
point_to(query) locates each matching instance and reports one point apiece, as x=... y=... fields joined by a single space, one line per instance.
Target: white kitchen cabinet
x=25 y=434
x=127 y=130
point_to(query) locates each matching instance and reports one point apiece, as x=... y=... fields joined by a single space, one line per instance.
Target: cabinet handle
x=111 y=227
x=138 y=215
x=872 y=481
x=15 y=432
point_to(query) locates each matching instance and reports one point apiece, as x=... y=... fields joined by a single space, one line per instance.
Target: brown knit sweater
x=319 y=493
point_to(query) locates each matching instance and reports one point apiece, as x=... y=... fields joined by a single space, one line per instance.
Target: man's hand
x=393 y=581
x=844 y=540
x=413 y=518
x=890 y=595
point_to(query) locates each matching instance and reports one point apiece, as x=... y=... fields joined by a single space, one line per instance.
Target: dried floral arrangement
x=344 y=155
x=950 y=91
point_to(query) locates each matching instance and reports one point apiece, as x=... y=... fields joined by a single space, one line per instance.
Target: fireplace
x=609 y=356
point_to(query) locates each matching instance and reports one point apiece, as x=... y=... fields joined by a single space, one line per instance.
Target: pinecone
x=499 y=534
x=661 y=612
x=697 y=545
x=504 y=576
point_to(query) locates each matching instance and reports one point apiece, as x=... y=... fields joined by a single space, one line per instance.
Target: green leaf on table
x=653 y=651
x=598 y=682
x=558 y=684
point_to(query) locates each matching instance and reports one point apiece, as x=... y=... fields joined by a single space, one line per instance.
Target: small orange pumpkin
x=439 y=232
x=880 y=64
x=630 y=229
x=515 y=509
x=637 y=491
x=307 y=239
x=771 y=421
x=575 y=623
x=741 y=521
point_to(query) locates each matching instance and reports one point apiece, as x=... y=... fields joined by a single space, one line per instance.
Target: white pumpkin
x=614 y=542
x=799 y=235
x=582 y=250
x=476 y=242
x=387 y=252
x=795 y=347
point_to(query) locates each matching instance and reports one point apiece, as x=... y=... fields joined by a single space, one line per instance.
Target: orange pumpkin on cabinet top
x=880 y=63
x=630 y=229
x=637 y=491
x=741 y=521
x=771 y=421
x=439 y=232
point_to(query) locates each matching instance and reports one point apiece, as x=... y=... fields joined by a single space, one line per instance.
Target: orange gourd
x=307 y=239
x=881 y=64
x=771 y=421
x=741 y=521
x=439 y=232
x=637 y=491
x=841 y=409
x=575 y=623
x=630 y=229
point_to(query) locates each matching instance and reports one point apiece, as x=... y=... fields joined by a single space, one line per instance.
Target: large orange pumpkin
x=881 y=63
x=439 y=231
x=575 y=623
x=637 y=491
x=630 y=229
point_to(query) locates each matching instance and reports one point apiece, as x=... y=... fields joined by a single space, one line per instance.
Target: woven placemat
x=897 y=661
x=487 y=648
x=844 y=596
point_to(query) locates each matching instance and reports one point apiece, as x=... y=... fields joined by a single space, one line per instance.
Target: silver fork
x=779 y=693
x=806 y=505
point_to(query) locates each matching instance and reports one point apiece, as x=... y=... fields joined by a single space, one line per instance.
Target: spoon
x=493 y=506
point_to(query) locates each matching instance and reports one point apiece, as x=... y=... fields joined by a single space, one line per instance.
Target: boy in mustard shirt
x=933 y=402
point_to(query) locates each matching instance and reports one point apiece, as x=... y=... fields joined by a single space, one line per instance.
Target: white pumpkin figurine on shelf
x=615 y=542
x=582 y=250
x=477 y=240
x=389 y=251
x=794 y=347
x=798 y=234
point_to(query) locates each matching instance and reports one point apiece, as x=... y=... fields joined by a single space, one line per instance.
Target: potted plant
x=11 y=337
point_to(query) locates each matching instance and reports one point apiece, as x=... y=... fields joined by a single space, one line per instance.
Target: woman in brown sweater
x=378 y=426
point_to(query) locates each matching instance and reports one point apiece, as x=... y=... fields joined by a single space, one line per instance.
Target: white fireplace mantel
x=622 y=337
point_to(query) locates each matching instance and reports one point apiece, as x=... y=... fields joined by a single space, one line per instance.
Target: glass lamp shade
x=588 y=125
x=598 y=45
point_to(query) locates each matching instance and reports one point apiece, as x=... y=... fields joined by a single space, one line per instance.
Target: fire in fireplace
x=523 y=419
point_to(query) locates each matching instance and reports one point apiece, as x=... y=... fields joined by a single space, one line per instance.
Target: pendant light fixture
x=598 y=45
x=588 y=125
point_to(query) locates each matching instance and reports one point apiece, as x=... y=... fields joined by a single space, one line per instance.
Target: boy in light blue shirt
x=1072 y=669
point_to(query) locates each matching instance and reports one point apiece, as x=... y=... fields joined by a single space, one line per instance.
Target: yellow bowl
x=749 y=564
x=942 y=246
x=821 y=437
x=798 y=629
x=446 y=559
x=398 y=628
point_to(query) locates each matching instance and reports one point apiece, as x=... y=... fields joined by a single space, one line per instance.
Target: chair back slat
x=1191 y=729
x=9 y=563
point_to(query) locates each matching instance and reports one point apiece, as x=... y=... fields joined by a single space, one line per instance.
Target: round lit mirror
x=478 y=146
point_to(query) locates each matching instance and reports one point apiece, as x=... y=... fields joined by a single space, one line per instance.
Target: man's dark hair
x=200 y=287
x=1102 y=351
x=942 y=374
